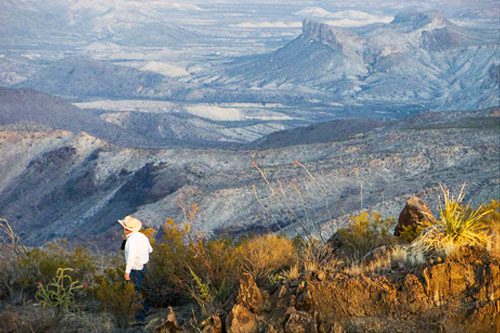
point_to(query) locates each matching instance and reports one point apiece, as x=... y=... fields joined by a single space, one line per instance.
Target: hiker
x=137 y=250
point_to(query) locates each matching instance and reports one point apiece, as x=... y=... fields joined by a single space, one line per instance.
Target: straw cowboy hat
x=131 y=223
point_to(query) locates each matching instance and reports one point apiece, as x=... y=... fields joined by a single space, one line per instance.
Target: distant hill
x=346 y=129
x=29 y=106
x=336 y=130
x=170 y=128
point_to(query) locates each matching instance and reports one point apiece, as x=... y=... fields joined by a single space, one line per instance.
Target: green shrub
x=165 y=282
x=183 y=268
x=40 y=265
x=365 y=232
x=178 y=259
x=215 y=272
x=117 y=296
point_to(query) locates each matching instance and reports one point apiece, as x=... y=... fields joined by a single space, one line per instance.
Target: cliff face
x=355 y=52
x=320 y=32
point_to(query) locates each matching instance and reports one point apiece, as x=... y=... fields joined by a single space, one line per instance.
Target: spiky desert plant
x=60 y=293
x=293 y=273
x=458 y=225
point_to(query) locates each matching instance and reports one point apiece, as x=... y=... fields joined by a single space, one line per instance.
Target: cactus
x=60 y=292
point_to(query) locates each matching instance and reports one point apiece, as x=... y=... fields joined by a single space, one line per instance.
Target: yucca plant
x=458 y=225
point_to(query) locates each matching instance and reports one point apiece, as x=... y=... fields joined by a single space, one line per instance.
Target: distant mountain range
x=417 y=58
x=139 y=23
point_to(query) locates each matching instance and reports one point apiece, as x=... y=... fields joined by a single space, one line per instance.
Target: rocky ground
x=457 y=295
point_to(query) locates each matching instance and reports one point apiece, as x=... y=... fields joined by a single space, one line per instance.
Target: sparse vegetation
x=188 y=270
x=262 y=256
x=40 y=265
x=184 y=268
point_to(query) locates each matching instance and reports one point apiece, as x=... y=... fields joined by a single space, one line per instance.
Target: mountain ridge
x=67 y=179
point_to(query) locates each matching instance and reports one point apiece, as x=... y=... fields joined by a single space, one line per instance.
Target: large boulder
x=414 y=215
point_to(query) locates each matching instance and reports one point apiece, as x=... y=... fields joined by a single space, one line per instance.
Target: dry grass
x=293 y=196
x=293 y=273
x=399 y=254
x=355 y=269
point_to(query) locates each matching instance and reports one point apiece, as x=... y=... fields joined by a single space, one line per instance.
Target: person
x=137 y=250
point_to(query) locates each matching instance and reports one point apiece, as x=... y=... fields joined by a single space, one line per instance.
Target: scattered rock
x=299 y=322
x=241 y=320
x=212 y=324
x=170 y=325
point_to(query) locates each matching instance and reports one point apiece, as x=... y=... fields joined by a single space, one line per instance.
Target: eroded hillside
x=53 y=182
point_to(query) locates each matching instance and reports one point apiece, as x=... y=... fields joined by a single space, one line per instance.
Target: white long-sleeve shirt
x=137 y=250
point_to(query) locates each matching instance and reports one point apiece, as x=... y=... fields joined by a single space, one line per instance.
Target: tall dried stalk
x=293 y=195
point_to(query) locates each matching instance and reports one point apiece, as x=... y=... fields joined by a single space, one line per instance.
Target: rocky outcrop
x=299 y=322
x=250 y=296
x=460 y=294
x=322 y=33
x=251 y=303
x=415 y=213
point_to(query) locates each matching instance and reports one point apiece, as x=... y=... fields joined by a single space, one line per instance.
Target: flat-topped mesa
x=320 y=32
